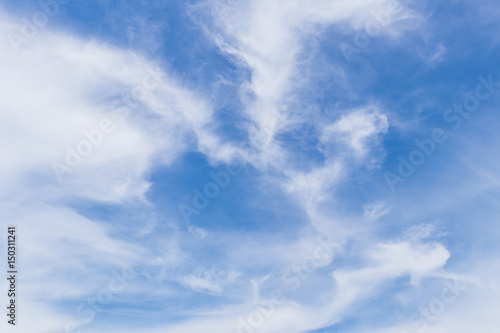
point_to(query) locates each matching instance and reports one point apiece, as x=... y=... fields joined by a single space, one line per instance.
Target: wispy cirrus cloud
x=117 y=209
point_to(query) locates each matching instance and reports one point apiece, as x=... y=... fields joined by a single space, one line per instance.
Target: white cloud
x=53 y=89
x=375 y=210
x=42 y=121
x=267 y=39
x=209 y=280
x=358 y=130
x=261 y=36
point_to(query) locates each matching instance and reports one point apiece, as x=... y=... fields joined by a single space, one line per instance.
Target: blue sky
x=252 y=166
